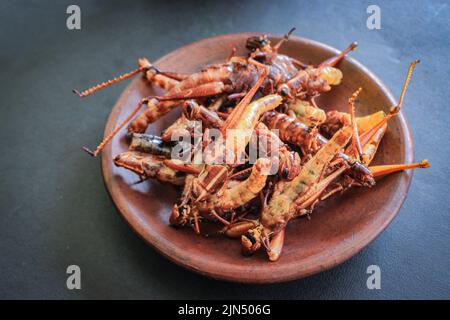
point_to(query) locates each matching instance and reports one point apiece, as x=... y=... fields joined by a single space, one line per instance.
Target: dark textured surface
x=55 y=210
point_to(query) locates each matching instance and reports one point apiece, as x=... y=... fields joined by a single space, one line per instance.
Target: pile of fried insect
x=319 y=153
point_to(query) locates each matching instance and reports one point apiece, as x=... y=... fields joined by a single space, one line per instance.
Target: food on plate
x=252 y=149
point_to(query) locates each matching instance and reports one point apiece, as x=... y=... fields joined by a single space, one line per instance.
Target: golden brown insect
x=290 y=77
x=311 y=81
x=209 y=118
x=281 y=67
x=179 y=128
x=149 y=166
x=293 y=131
x=244 y=116
x=237 y=193
x=231 y=195
x=237 y=74
x=306 y=112
x=288 y=162
x=150 y=144
x=335 y=120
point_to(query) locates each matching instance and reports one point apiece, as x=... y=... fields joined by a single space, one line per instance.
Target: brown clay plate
x=339 y=229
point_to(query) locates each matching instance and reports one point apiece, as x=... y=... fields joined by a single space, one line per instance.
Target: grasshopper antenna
x=285 y=38
x=395 y=110
x=115 y=80
x=105 y=141
x=412 y=65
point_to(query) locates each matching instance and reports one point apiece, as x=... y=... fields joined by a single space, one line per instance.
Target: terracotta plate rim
x=288 y=272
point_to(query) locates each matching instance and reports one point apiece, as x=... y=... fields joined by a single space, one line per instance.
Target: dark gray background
x=55 y=210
